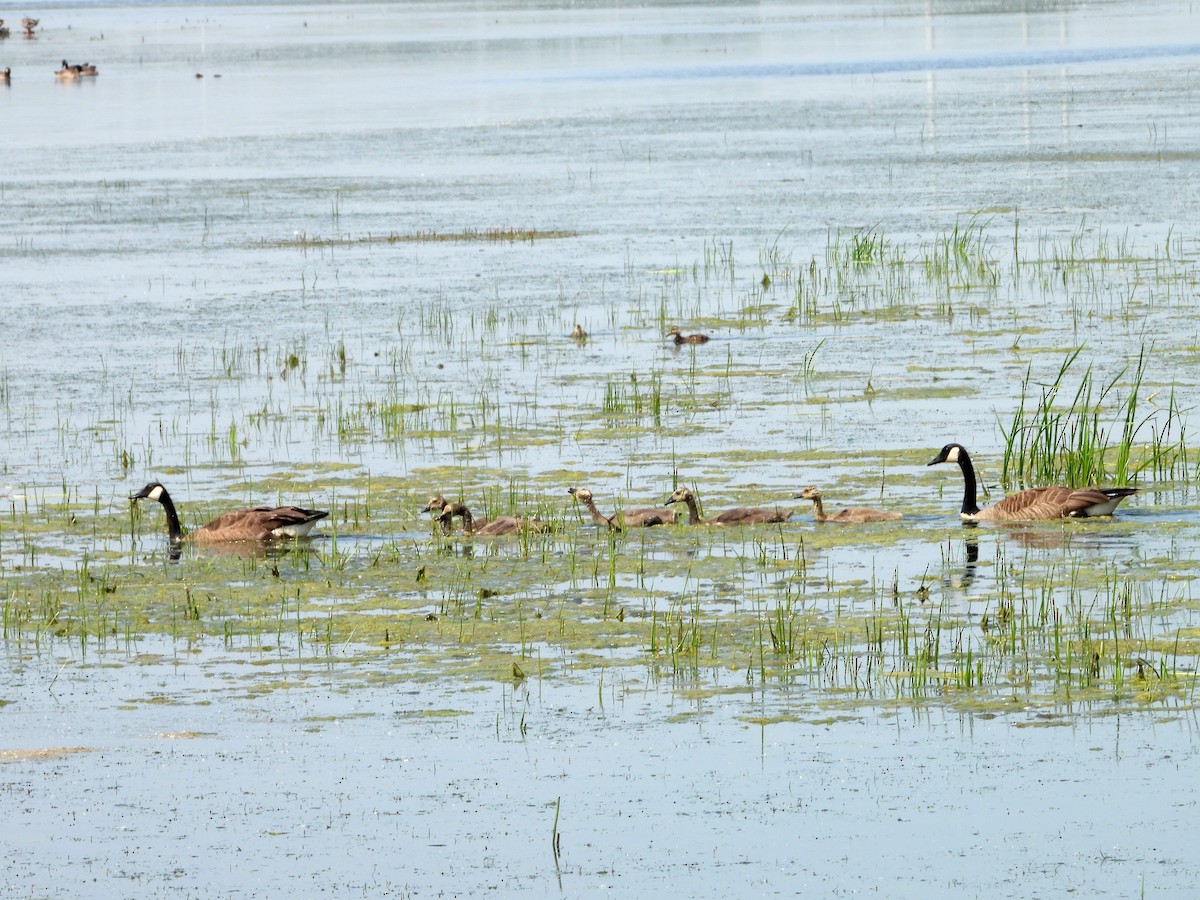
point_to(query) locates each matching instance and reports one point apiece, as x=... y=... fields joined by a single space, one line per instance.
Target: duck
x=262 y=523
x=629 y=518
x=497 y=526
x=739 y=515
x=850 y=514
x=1052 y=502
x=29 y=24
x=578 y=334
x=680 y=338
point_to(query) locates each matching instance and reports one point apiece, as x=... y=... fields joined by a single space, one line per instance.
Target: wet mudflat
x=344 y=273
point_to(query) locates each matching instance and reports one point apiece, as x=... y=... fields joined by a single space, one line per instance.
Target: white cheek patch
x=952 y=456
x=155 y=494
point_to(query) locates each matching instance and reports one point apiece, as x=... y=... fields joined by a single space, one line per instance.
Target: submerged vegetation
x=491 y=402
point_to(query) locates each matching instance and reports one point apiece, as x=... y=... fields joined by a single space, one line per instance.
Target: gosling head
x=436 y=504
x=681 y=495
x=809 y=493
x=583 y=495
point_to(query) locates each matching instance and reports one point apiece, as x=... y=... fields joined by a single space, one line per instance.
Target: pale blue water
x=148 y=309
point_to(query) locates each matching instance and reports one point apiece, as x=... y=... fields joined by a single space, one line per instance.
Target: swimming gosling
x=497 y=526
x=1053 y=502
x=262 y=523
x=628 y=518
x=680 y=338
x=739 y=515
x=851 y=514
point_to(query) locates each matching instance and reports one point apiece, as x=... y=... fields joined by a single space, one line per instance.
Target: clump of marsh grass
x=506 y=234
x=1047 y=441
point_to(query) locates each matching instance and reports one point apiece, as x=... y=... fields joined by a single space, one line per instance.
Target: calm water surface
x=194 y=288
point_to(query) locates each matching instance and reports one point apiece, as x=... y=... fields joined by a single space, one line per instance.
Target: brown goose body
x=498 y=526
x=627 y=518
x=851 y=514
x=739 y=515
x=261 y=523
x=578 y=334
x=1053 y=502
x=29 y=24
x=680 y=338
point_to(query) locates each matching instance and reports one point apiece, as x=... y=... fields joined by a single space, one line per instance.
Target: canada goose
x=739 y=515
x=6 y=75
x=681 y=338
x=29 y=24
x=86 y=69
x=578 y=334
x=850 y=514
x=68 y=72
x=497 y=526
x=262 y=523
x=4 y=32
x=629 y=518
x=1054 y=502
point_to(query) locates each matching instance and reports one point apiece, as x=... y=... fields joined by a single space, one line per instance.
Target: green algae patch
x=431 y=713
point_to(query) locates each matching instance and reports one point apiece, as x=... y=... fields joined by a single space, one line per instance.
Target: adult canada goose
x=4 y=32
x=497 y=526
x=629 y=518
x=1054 y=502
x=29 y=24
x=68 y=72
x=86 y=69
x=849 y=514
x=6 y=75
x=739 y=515
x=262 y=523
x=680 y=338
x=577 y=333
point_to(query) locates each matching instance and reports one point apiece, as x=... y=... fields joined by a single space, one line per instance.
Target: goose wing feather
x=864 y=514
x=258 y=524
x=750 y=515
x=1055 y=502
x=645 y=518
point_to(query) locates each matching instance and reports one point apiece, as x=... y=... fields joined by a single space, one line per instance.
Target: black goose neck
x=970 y=505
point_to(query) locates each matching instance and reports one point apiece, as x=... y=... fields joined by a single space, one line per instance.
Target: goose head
x=681 y=495
x=951 y=453
x=436 y=503
x=152 y=491
x=583 y=495
x=809 y=493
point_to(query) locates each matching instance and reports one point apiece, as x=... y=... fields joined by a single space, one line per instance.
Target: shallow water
x=280 y=283
x=176 y=777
